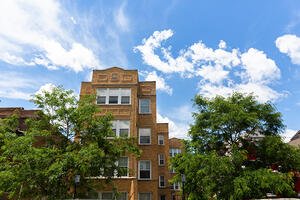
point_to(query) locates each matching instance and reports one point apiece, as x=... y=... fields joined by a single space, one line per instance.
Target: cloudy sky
x=188 y=47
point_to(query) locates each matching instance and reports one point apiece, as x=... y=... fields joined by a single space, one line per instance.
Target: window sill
x=145 y=179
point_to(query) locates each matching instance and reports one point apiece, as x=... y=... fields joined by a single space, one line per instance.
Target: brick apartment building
x=133 y=105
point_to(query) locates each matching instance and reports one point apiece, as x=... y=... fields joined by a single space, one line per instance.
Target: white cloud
x=176 y=129
x=259 y=68
x=220 y=71
x=179 y=124
x=160 y=82
x=48 y=87
x=121 y=19
x=290 y=45
x=288 y=134
x=34 y=32
x=222 y=44
x=15 y=86
x=213 y=74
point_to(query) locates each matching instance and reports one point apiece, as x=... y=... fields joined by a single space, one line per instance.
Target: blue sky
x=189 y=47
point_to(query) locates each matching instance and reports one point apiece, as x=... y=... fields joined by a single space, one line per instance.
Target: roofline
x=114 y=67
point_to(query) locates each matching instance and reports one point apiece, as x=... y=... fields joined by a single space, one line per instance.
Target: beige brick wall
x=119 y=78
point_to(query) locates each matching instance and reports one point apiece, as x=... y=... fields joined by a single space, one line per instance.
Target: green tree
x=65 y=139
x=223 y=137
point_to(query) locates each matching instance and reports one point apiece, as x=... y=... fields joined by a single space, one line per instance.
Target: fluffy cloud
x=178 y=130
x=220 y=71
x=35 y=33
x=18 y=87
x=288 y=134
x=179 y=123
x=48 y=87
x=160 y=82
x=290 y=45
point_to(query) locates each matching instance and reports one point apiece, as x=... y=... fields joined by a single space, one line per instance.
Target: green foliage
x=224 y=134
x=223 y=121
x=44 y=161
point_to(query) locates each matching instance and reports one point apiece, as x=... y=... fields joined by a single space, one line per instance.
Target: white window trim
x=140 y=170
x=144 y=193
x=159 y=181
x=118 y=129
x=119 y=96
x=100 y=194
x=146 y=113
x=127 y=167
x=164 y=159
x=159 y=137
x=140 y=138
x=174 y=184
x=174 y=151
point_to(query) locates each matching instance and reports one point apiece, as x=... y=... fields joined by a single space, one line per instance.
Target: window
x=123 y=165
x=145 y=106
x=121 y=128
x=144 y=169
x=174 y=152
x=161 y=181
x=145 y=196
x=144 y=136
x=112 y=196
x=113 y=96
x=161 y=140
x=107 y=196
x=161 y=159
x=163 y=197
x=175 y=186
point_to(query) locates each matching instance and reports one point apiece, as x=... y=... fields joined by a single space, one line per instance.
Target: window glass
x=123 y=165
x=125 y=100
x=113 y=96
x=113 y=100
x=160 y=139
x=145 y=196
x=162 y=197
x=161 y=159
x=161 y=181
x=174 y=151
x=122 y=196
x=145 y=136
x=144 y=106
x=144 y=169
x=121 y=128
x=107 y=196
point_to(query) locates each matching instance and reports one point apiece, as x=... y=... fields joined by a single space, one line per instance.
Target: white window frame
x=113 y=197
x=119 y=92
x=144 y=134
x=174 y=151
x=160 y=137
x=161 y=157
x=160 y=180
x=140 y=105
x=127 y=175
x=139 y=172
x=145 y=193
x=118 y=127
x=174 y=185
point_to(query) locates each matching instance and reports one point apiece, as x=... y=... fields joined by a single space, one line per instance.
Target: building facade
x=133 y=105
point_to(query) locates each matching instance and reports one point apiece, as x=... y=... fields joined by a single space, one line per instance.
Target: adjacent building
x=133 y=105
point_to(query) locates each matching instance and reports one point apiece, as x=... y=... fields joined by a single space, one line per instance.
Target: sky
x=210 y=48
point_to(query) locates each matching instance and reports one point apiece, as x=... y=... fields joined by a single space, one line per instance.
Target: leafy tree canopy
x=235 y=151
x=65 y=139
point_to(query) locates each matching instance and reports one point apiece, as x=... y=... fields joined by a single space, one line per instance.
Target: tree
x=65 y=139
x=217 y=161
